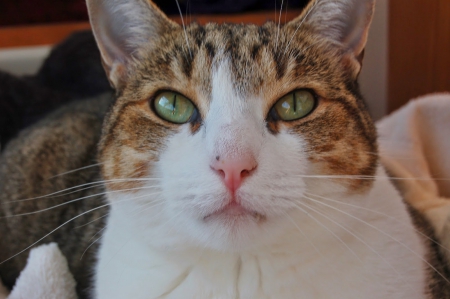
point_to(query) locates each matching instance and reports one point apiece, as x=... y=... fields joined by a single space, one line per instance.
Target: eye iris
x=295 y=105
x=173 y=107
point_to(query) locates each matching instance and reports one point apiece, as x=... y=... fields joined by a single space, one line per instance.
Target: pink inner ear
x=121 y=28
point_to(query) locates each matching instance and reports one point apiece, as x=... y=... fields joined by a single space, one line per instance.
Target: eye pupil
x=174 y=104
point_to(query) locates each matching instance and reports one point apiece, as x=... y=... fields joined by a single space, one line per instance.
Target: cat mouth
x=234 y=211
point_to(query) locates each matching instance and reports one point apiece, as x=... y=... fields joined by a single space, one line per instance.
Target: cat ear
x=346 y=22
x=121 y=28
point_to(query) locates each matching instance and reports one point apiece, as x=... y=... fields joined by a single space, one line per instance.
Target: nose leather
x=234 y=170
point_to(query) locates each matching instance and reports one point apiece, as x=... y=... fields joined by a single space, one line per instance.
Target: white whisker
x=126 y=242
x=371 y=177
x=381 y=214
x=90 y=245
x=384 y=233
x=48 y=234
x=184 y=28
x=326 y=228
x=350 y=232
x=299 y=25
x=92 y=184
x=148 y=206
x=304 y=235
x=75 y=170
x=80 y=226
x=84 y=252
x=101 y=230
x=279 y=25
x=78 y=199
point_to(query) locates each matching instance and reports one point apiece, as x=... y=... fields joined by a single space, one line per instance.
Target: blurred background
x=20 y=12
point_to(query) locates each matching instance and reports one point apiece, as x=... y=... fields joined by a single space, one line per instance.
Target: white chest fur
x=376 y=254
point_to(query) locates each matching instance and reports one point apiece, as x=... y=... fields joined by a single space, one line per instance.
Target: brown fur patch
x=133 y=140
x=344 y=148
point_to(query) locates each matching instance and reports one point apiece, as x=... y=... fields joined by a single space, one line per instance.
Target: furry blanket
x=46 y=276
x=414 y=146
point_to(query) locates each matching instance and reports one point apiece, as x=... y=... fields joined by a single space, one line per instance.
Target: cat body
x=240 y=162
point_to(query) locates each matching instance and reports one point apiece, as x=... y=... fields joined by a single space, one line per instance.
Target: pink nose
x=234 y=170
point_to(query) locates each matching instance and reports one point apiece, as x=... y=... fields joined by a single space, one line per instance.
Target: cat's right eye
x=173 y=107
x=295 y=105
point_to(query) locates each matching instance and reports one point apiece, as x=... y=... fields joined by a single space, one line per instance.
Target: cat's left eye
x=295 y=105
x=173 y=107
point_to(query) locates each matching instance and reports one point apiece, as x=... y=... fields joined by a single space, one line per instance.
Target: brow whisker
x=299 y=25
x=279 y=25
x=184 y=28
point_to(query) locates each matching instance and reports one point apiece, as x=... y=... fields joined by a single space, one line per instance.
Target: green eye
x=295 y=105
x=173 y=107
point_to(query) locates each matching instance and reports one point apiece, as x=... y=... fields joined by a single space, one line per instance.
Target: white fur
x=46 y=276
x=158 y=245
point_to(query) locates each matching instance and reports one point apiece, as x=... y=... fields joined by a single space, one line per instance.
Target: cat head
x=221 y=129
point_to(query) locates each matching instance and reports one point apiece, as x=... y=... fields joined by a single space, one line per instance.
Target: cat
x=227 y=160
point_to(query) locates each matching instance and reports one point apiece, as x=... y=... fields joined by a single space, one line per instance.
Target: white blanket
x=414 y=146
x=46 y=276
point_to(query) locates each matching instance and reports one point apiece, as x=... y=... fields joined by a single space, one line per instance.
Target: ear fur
x=345 y=22
x=121 y=28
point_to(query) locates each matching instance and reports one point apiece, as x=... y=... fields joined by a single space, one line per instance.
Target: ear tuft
x=121 y=28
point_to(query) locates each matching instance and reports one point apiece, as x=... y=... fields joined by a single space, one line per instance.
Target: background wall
x=419 y=49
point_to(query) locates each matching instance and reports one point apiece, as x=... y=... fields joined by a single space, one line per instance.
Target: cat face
x=225 y=127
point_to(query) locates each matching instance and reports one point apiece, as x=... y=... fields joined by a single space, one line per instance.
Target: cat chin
x=240 y=233
x=234 y=232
